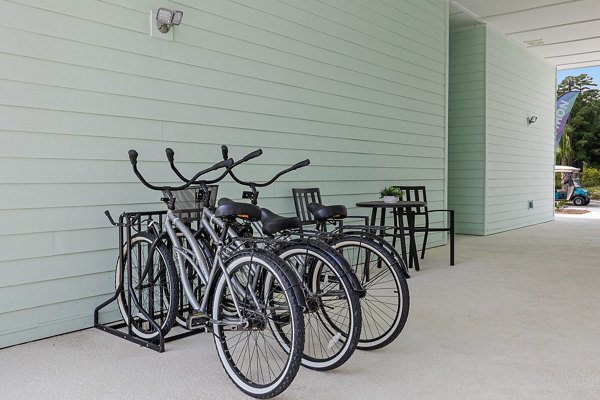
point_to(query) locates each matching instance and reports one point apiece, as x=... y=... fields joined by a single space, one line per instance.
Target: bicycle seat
x=231 y=209
x=323 y=213
x=273 y=223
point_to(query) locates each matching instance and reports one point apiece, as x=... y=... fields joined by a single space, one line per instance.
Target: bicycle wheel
x=386 y=303
x=332 y=320
x=251 y=354
x=154 y=284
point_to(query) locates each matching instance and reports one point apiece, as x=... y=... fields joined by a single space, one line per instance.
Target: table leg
x=382 y=223
x=400 y=223
x=373 y=216
x=413 y=243
x=367 y=266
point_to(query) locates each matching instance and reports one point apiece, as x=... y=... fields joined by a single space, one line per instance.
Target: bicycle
x=333 y=318
x=246 y=298
x=379 y=271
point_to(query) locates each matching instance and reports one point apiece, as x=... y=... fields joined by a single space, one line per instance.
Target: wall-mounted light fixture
x=166 y=18
x=531 y=119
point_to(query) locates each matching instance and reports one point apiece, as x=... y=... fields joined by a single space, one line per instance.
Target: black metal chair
x=304 y=197
x=418 y=193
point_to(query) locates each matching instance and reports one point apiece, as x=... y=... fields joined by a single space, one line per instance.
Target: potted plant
x=391 y=194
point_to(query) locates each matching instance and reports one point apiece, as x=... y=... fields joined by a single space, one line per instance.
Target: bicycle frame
x=207 y=274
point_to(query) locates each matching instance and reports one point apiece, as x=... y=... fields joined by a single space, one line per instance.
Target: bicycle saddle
x=230 y=209
x=323 y=213
x=273 y=223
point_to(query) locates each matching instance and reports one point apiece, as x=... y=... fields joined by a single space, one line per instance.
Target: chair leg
x=452 y=238
x=424 y=244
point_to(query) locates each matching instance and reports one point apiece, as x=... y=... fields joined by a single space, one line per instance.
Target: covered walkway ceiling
x=564 y=32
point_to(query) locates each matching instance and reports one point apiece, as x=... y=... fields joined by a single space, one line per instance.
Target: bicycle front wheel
x=332 y=320
x=153 y=285
x=250 y=352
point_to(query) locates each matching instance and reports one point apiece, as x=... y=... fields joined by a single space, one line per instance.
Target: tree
x=582 y=131
x=564 y=152
x=580 y=83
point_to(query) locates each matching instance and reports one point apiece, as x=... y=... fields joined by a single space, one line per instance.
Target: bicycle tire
x=280 y=308
x=384 y=308
x=157 y=292
x=332 y=321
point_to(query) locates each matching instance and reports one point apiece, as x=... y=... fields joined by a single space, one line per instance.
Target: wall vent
x=535 y=42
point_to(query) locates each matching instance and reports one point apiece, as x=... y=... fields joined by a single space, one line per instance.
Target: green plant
x=560 y=205
x=594 y=192
x=391 y=191
x=590 y=177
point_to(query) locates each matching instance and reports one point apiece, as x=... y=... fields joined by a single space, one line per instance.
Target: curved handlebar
x=300 y=164
x=133 y=155
x=225 y=152
x=171 y=154
x=171 y=157
x=133 y=159
x=252 y=155
x=247 y=157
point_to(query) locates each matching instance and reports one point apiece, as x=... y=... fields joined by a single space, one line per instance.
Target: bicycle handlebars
x=229 y=171
x=133 y=155
x=171 y=157
x=225 y=152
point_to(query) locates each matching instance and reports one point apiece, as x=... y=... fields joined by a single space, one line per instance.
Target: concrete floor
x=518 y=317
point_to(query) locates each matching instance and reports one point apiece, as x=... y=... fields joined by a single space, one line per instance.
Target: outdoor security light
x=166 y=18
x=531 y=119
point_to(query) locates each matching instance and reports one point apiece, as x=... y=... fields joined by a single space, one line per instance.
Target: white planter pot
x=390 y=199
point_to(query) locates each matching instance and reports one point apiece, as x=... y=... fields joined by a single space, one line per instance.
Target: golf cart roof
x=565 y=168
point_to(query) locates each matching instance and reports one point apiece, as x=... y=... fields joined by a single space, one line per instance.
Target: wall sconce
x=166 y=18
x=531 y=119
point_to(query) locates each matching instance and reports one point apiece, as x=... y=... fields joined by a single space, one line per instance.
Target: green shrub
x=594 y=192
x=590 y=177
x=560 y=205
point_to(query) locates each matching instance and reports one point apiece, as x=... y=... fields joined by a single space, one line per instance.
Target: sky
x=594 y=72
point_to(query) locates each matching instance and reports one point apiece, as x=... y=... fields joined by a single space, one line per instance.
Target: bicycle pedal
x=196 y=321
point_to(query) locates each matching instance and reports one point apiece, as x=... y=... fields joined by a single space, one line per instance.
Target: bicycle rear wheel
x=385 y=306
x=251 y=354
x=154 y=284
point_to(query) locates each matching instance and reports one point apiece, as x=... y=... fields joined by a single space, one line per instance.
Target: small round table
x=408 y=207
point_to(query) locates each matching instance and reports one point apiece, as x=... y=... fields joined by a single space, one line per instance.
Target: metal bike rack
x=130 y=223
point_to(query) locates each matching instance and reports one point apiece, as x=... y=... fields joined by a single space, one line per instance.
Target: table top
x=398 y=204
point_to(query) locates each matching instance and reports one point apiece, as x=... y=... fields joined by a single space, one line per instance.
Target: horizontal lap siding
x=519 y=157
x=356 y=86
x=466 y=130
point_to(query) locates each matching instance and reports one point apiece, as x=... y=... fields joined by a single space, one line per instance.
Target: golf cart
x=571 y=189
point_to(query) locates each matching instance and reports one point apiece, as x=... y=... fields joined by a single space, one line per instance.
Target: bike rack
x=130 y=223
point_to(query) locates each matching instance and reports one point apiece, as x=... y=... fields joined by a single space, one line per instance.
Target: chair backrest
x=302 y=198
x=415 y=193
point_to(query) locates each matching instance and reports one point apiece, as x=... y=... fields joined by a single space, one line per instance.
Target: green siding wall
x=520 y=158
x=359 y=87
x=497 y=163
x=466 y=130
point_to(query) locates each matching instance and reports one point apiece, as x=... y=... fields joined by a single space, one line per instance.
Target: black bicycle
x=378 y=277
x=332 y=317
